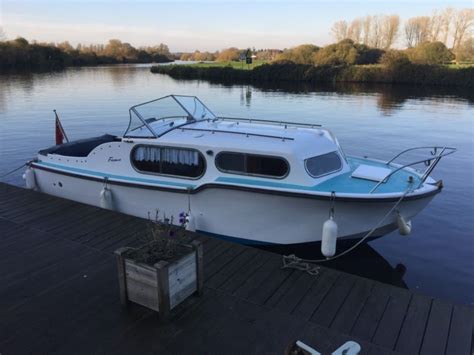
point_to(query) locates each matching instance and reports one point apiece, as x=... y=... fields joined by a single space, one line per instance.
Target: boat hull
x=248 y=217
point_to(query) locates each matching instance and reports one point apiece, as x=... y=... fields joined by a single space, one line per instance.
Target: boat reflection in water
x=363 y=261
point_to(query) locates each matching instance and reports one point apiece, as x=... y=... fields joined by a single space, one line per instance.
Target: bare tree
x=463 y=21
x=354 y=31
x=376 y=32
x=339 y=30
x=3 y=37
x=436 y=26
x=447 y=16
x=366 y=25
x=417 y=30
x=390 y=26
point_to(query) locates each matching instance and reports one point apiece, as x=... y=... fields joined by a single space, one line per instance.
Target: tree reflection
x=389 y=97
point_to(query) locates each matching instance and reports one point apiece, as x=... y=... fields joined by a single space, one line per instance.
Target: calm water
x=437 y=259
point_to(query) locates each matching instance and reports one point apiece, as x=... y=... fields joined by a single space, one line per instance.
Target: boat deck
x=59 y=294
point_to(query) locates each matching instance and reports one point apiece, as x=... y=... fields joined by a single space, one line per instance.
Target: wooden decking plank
x=330 y=305
x=212 y=244
x=26 y=214
x=437 y=328
x=285 y=288
x=55 y=315
x=24 y=288
x=228 y=270
x=120 y=222
x=461 y=331
x=26 y=242
x=37 y=258
x=9 y=229
x=112 y=239
x=316 y=293
x=290 y=300
x=239 y=278
x=254 y=283
x=350 y=310
x=113 y=244
x=271 y=284
x=108 y=230
x=215 y=252
x=370 y=315
x=389 y=326
x=132 y=229
x=413 y=328
x=31 y=203
x=88 y=225
x=89 y=220
x=222 y=260
x=65 y=218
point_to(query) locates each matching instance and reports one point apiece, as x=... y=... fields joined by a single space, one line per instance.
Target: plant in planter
x=164 y=271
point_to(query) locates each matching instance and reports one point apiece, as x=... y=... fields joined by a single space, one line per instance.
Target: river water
x=377 y=121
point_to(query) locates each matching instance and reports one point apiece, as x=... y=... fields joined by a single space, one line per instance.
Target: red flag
x=60 y=134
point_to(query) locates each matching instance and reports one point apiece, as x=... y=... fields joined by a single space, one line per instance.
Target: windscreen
x=195 y=108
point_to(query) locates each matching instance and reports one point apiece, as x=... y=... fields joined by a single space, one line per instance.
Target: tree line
x=230 y=54
x=451 y=27
x=19 y=54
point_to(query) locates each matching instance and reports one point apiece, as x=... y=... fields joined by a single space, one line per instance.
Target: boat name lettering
x=112 y=159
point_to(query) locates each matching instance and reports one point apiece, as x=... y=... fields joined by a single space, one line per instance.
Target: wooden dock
x=59 y=294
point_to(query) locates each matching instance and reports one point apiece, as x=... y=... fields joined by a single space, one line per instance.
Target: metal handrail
x=247 y=134
x=435 y=149
x=427 y=162
x=279 y=123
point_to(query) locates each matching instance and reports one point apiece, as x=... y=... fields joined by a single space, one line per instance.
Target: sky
x=204 y=25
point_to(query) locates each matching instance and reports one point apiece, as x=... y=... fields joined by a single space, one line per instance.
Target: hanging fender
x=30 y=178
x=404 y=227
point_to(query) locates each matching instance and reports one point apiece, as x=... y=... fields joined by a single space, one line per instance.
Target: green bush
x=346 y=52
x=302 y=54
x=430 y=53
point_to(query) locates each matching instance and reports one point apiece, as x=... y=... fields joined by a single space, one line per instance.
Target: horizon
x=261 y=24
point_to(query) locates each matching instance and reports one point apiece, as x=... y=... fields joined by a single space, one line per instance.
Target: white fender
x=107 y=199
x=329 y=238
x=404 y=227
x=30 y=179
x=190 y=224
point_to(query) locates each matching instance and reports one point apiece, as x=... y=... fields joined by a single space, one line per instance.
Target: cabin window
x=323 y=164
x=252 y=164
x=181 y=162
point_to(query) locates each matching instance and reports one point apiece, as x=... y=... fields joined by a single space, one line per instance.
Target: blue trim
x=236 y=240
x=111 y=176
x=252 y=182
x=341 y=183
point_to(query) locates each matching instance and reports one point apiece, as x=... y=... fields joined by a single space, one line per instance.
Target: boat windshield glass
x=156 y=117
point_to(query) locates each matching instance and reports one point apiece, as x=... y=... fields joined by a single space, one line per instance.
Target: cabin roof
x=252 y=137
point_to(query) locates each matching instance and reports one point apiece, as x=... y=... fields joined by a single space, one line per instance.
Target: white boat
x=252 y=181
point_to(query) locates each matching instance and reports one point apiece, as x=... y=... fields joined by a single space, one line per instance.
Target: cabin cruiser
x=248 y=180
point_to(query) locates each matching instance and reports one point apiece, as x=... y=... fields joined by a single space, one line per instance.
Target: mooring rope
x=14 y=170
x=292 y=261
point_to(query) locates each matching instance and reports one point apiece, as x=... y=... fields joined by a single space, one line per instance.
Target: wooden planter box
x=163 y=286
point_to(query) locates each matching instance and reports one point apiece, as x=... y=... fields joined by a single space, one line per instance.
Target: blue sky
x=189 y=25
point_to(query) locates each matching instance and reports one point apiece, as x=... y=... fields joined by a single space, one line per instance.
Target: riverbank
x=21 y=56
x=417 y=74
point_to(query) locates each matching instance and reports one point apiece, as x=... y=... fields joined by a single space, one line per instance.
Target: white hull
x=257 y=217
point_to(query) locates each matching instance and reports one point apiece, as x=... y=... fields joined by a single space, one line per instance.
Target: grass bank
x=228 y=64
x=416 y=74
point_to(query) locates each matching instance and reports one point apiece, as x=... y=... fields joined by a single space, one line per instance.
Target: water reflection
x=363 y=261
x=246 y=95
x=389 y=98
